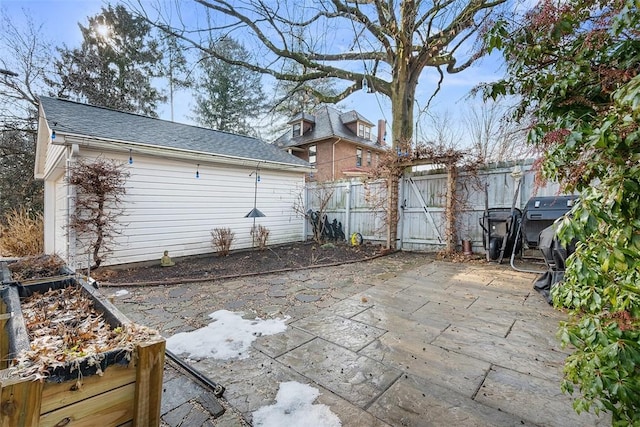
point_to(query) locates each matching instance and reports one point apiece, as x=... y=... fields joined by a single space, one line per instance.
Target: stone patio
x=403 y=340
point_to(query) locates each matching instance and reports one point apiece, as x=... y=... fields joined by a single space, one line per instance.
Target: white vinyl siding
x=168 y=208
x=59 y=207
x=55 y=158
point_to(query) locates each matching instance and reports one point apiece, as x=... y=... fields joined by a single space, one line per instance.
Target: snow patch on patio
x=229 y=336
x=121 y=293
x=294 y=408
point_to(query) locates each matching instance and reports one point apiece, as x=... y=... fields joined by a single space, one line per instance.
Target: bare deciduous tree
x=318 y=197
x=492 y=135
x=440 y=130
x=382 y=45
x=27 y=55
x=25 y=63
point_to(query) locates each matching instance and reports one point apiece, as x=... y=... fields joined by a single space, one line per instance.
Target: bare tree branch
x=405 y=37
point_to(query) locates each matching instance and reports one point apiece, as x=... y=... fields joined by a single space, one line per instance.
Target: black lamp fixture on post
x=255 y=212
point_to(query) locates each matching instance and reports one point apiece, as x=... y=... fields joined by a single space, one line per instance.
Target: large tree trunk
x=403 y=89
x=402 y=100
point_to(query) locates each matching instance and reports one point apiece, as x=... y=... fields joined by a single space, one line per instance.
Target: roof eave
x=43 y=136
x=179 y=153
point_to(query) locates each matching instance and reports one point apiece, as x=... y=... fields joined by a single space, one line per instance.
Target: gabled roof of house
x=352 y=116
x=77 y=119
x=303 y=116
x=329 y=123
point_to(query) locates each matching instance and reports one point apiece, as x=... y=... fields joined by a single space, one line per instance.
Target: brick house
x=339 y=145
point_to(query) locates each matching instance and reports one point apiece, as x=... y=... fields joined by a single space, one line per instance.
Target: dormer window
x=297 y=129
x=301 y=124
x=364 y=131
x=357 y=124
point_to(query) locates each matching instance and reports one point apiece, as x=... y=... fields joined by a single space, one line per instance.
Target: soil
x=241 y=263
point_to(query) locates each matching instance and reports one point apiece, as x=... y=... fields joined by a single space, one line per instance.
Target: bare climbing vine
x=100 y=189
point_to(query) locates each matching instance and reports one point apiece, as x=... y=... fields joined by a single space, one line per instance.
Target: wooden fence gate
x=360 y=206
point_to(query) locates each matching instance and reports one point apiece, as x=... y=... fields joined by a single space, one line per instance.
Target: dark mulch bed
x=276 y=258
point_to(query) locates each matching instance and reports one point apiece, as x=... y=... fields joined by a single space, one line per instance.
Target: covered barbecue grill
x=537 y=230
x=555 y=256
x=540 y=213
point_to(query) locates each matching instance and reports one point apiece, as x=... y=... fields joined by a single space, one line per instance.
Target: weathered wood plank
x=363 y=213
x=112 y=408
x=4 y=338
x=20 y=403
x=150 y=369
x=111 y=399
x=57 y=395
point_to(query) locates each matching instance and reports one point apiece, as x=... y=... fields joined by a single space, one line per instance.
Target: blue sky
x=59 y=20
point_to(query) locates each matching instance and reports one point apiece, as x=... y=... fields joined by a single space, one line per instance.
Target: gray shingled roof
x=303 y=116
x=68 y=117
x=329 y=123
x=352 y=116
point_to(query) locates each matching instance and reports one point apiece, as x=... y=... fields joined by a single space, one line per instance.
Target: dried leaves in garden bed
x=65 y=330
x=36 y=267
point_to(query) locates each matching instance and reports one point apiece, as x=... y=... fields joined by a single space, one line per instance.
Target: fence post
x=401 y=198
x=347 y=212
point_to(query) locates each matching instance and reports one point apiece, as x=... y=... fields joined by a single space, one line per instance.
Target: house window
x=358 y=157
x=312 y=155
x=364 y=131
x=297 y=129
x=369 y=158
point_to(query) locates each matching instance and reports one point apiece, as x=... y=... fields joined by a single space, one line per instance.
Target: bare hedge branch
x=100 y=187
x=221 y=239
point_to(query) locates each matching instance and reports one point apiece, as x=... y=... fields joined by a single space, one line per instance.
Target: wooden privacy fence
x=360 y=206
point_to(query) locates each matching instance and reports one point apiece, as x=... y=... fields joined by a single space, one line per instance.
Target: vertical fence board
x=361 y=205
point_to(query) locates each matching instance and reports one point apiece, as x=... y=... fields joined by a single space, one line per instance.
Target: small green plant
x=221 y=239
x=260 y=234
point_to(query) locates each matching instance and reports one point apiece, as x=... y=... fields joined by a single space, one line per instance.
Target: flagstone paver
x=348 y=333
x=402 y=340
x=356 y=378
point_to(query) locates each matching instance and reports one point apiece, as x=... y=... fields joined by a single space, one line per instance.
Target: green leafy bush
x=576 y=67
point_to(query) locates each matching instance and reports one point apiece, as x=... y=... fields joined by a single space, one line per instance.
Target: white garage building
x=184 y=182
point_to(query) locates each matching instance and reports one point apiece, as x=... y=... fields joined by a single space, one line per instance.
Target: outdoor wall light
x=130 y=158
x=198 y=170
x=53 y=134
x=365 y=85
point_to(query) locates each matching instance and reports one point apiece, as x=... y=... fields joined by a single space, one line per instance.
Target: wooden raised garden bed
x=93 y=368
